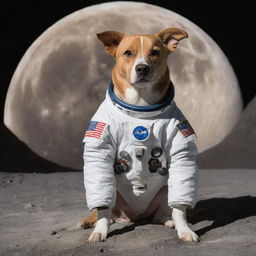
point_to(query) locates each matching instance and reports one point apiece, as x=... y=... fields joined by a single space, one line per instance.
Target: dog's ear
x=111 y=40
x=171 y=36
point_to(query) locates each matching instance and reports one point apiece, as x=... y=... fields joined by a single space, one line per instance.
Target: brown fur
x=90 y=221
x=117 y=43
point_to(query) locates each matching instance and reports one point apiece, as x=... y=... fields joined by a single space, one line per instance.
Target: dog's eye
x=128 y=53
x=154 y=53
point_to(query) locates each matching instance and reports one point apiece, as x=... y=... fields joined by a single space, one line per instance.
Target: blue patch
x=140 y=133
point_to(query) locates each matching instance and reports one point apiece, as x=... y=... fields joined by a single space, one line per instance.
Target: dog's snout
x=142 y=69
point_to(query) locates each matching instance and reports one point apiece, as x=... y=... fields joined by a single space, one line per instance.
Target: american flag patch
x=185 y=128
x=95 y=129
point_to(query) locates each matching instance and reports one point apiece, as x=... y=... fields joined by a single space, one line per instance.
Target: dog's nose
x=142 y=69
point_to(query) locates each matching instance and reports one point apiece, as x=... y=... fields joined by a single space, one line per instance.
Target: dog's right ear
x=111 y=40
x=171 y=36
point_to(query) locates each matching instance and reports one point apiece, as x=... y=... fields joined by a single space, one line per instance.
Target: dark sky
x=231 y=24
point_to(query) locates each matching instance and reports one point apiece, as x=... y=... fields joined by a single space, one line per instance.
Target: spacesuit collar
x=144 y=111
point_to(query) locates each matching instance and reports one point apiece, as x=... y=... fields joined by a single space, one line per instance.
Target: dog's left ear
x=111 y=40
x=171 y=36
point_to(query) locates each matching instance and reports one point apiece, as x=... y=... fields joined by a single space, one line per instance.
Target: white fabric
x=100 y=155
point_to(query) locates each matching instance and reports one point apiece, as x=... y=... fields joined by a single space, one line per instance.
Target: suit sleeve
x=99 y=179
x=183 y=170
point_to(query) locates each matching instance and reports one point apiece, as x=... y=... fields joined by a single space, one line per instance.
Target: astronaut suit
x=137 y=150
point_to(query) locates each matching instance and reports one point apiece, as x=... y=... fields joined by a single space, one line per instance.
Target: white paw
x=97 y=237
x=169 y=223
x=100 y=232
x=181 y=225
x=187 y=235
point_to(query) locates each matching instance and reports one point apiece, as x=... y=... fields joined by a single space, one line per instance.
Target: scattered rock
x=29 y=206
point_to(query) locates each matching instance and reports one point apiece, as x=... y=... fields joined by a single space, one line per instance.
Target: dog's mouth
x=142 y=81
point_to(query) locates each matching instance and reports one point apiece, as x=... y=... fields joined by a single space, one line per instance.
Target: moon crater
x=63 y=77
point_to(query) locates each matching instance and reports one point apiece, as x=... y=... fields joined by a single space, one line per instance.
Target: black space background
x=231 y=24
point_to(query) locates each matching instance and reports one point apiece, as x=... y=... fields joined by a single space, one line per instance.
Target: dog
x=139 y=149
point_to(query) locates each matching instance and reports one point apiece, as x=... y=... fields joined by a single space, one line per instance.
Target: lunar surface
x=39 y=214
x=238 y=149
x=63 y=77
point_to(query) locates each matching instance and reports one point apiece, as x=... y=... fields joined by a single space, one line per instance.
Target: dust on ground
x=40 y=211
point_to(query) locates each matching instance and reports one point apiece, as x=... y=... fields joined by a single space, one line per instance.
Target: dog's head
x=141 y=59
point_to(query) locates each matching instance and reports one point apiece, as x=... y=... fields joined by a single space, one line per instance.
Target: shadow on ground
x=17 y=157
x=221 y=211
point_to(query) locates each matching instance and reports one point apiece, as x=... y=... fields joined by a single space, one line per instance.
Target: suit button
x=118 y=168
x=154 y=164
x=121 y=167
x=139 y=152
x=156 y=152
x=162 y=171
x=125 y=155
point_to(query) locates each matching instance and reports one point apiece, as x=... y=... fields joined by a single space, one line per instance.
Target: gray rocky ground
x=40 y=211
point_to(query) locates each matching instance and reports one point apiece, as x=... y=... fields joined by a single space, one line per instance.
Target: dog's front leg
x=181 y=225
x=100 y=231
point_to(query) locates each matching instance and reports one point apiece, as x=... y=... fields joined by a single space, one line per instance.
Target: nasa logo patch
x=140 y=133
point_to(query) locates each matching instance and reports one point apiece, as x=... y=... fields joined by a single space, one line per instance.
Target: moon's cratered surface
x=63 y=76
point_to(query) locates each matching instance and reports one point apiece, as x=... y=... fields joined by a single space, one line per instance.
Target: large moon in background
x=63 y=76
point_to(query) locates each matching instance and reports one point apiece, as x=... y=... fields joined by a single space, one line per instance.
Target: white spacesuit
x=137 y=150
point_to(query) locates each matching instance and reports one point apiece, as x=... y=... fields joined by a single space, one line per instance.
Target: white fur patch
x=100 y=231
x=142 y=47
x=139 y=60
x=132 y=96
x=183 y=230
